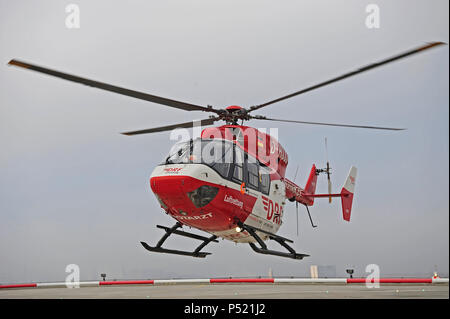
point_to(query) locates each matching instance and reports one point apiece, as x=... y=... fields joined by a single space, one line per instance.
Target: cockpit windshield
x=200 y=151
x=179 y=153
x=226 y=159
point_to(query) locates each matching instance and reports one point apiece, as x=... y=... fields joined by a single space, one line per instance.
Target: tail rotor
x=327 y=170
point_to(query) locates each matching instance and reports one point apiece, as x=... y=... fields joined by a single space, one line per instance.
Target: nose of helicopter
x=168 y=186
x=176 y=181
x=170 y=192
x=183 y=193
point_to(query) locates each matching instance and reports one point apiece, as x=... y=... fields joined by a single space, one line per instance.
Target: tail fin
x=347 y=193
x=310 y=187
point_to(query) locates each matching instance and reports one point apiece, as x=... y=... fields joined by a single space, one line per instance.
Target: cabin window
x=252 y=173
x=264 y=179
x=238 y=164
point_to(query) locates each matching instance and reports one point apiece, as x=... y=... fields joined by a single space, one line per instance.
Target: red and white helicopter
x=230 y=182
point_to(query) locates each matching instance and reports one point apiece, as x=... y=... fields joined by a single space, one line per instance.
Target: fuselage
x=175 y=186
x=213 y=183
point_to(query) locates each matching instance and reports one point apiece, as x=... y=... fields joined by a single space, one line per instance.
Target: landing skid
x=173 y=230
x=263 y=249
x=206 y=240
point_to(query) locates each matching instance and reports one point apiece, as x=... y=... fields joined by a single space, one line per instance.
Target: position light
x=203 y=195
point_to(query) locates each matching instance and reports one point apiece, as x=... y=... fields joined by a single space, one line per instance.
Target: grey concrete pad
x=234 y=291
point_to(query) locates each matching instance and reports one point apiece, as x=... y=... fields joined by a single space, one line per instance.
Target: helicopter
x=230 y=181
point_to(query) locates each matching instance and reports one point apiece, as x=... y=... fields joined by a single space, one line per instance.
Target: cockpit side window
x=224 y=159
x=238 y=171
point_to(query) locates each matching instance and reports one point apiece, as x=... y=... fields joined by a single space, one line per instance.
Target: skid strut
x=263 y=249
x=173 y=230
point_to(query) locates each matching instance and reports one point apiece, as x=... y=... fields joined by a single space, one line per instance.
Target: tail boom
x=296 y=193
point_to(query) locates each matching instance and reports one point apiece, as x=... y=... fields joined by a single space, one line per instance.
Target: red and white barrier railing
x=231 y=280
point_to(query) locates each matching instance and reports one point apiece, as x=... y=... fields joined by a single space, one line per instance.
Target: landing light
x=238 y=229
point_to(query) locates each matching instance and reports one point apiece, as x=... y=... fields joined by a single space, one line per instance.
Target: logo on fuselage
x=273 y=209
x=172 y=169
x=198 y=217
x=234 y=201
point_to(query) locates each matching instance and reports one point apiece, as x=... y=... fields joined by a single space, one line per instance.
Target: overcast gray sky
x=74 y=191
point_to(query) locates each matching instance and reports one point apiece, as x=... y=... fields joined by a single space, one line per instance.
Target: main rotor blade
x=113 y=88
x=360 y=70
x=174 y=126
x=328 y=124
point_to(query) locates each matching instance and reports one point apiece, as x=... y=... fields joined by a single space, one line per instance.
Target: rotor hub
x=233 y=113
x=233 y=108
